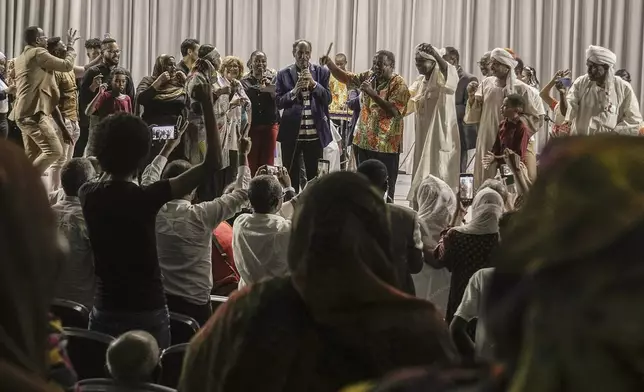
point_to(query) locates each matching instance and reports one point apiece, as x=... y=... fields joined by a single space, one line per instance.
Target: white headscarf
x=487 y=209
x=424 y=54
x=436 y=206
x=600 y=55
x=504 y=57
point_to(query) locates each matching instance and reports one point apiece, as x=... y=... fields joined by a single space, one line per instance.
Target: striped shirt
x=308 y=132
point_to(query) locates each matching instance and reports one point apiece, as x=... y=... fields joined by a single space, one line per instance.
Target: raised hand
x=162 y=79
x=72 y=37
x=283 y=177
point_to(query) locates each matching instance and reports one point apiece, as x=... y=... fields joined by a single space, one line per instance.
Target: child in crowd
x=108 y=102
x=513 y=134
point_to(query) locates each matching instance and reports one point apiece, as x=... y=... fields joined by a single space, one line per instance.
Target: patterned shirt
x=68 y=103
x=339 y=95
x=61 y=372
x=376 y=130
x=308 y=132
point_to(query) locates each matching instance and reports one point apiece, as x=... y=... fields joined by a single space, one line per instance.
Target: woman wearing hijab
x=436 y=206
x=564 y=304
x=466 y=249
x=335 y=321
x=162 y=98
x=30 y=259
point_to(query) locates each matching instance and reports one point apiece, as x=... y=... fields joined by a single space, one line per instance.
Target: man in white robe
x=437 y=149
x=484 y=107
x=599 y=102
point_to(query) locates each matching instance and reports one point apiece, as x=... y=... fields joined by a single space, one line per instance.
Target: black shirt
x=120 y=218
x=264 y=108
x=161 y=112
x=86 y=95
x=183 y=67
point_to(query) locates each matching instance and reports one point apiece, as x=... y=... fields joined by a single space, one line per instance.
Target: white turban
x=504 y=57
x=600 y=55
x=442 y=51
x=424 y=54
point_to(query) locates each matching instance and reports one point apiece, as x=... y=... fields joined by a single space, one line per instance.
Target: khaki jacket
x=36 y=88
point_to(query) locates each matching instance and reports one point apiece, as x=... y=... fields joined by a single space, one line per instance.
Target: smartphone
x=272 y=170
x=566 y=82
x=323 y=167
x=466 y=188
x=166 y=132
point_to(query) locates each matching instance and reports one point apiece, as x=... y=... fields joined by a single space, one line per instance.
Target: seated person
x=121 y=216
x=133 y=358
x=514 y=134
x=260 y=239
x=106 y=103
x=184 y=239
x=225 y=276
x=76 y=280
x=408 y=246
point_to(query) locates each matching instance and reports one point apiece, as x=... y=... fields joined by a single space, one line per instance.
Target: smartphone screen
x=466 y=188
x=167 y=132
x=566 y=82
x=323 y=167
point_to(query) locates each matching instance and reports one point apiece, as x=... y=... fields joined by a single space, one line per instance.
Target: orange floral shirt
x=339 y=95
x=376 y=130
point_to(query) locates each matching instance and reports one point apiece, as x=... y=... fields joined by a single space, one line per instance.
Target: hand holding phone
x=323 y=167
x=466 y=189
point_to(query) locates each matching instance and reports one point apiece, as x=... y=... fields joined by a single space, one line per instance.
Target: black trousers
x=79 y=147
x=177 y=304
x=390 y=160
x=311 y=151
x=467 y=134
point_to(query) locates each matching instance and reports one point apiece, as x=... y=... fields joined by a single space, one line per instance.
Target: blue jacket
x=292 y=105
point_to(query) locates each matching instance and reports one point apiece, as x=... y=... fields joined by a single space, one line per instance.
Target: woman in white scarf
x=437 y=142
x=436 y=206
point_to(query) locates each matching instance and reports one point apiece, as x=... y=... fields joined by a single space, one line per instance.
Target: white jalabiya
x=436 y=205
x=593 y=109
x=437 y=142
x=488 y=117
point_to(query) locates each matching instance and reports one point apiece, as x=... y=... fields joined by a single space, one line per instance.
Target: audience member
x=133 y=358
x=338 y=300
x=97 y=76
x=437 y=205
x=76 y=282
x=561 y=81
x=466 y=249
x=225 y=276
x=484 y=64
x=407 y=243
x=302 y=91
x=121 y=216
x=184 y=239
x=261 y=239
x=467 y=133
x=378 y=134
x=112 y=100
x=32 y=255
x=35 y=109
x=189 y=54
x=513 y=134
x=259 y=85
x=624 y=74
x=4 y=99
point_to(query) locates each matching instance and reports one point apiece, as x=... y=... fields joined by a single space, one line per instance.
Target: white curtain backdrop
x=546 y=34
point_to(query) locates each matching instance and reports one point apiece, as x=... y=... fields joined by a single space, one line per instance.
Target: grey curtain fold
x=547 y=34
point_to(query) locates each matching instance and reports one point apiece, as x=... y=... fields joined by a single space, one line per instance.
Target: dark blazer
x=461 y=95
x=407 y=258
x=292 y=105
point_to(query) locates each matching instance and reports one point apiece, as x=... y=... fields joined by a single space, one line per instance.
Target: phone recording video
x=273 y=170
x=323 y=167
x=168 y=132
x=466 y=188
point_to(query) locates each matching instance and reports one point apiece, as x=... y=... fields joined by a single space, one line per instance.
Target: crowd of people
x=331 y=286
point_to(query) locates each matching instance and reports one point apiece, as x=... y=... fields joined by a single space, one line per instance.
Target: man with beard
x=484 y=107
x=484 y=64
x=467 y=133
x=93 y=53
x=97 y=75
x=599 y=102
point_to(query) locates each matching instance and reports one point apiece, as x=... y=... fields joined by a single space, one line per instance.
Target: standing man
x=484 y=64
x=93 y=53
x=599 y=102
x=35 y=110
x=190 y=53
x=484 y=107
x=97 y=75
x=338 y=90
x=467 y=133
x=385 y=94
x=302 y=90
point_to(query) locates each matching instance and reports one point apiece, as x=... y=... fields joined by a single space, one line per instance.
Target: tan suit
x=36 y=98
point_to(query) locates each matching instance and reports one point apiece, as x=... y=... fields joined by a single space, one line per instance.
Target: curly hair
x=122 y=143
x=230 y=60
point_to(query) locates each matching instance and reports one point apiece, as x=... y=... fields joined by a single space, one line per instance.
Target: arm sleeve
x=152 y=172
x=444 y=252
x=157 y=194
x=399 y=97
x=222 y=208
x=572 y=98
x=284 y=99
x=473 y=112
x=415 y=251
x=469 y=307
x=630 y=118
x=146 y=95
x=413 y=91
x=50 y=62
x=321 y=91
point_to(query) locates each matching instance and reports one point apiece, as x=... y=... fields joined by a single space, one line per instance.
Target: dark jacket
x=292 y=105
x=409 y=258
x=461 y=95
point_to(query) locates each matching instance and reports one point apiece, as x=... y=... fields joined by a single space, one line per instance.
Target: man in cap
x=484 y=107
x=599 y=102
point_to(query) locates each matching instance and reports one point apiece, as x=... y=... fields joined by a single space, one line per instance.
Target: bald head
x=133 y=357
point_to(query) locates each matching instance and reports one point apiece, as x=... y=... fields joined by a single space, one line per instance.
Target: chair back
x=171 y=365
x=70 y=313
x=87 y=351
x=216 y=301
x=109 y=385
x=182 y=328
